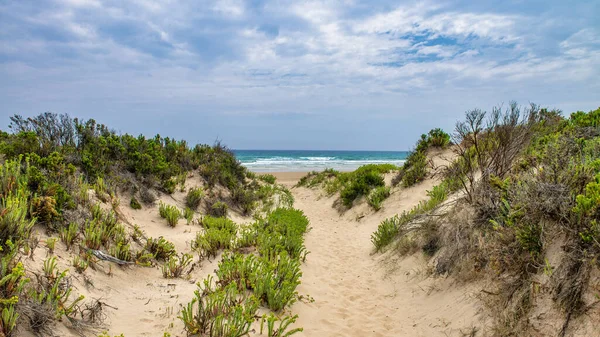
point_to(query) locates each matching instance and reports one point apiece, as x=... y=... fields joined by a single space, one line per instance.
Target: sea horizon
x=315 y=160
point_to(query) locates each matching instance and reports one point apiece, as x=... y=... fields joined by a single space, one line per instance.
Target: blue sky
x=278 y=74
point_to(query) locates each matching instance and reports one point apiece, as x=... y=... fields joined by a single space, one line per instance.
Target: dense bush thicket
x=529 y=177
x=101 y=152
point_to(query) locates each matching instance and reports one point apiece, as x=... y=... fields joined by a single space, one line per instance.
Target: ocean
x=306 y=160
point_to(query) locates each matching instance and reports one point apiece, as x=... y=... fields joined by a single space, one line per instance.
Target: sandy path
x=356 y=293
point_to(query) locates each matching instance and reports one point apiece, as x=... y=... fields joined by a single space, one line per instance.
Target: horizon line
x=320 y=150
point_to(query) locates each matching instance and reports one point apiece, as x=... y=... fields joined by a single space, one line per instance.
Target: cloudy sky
x=280 y=74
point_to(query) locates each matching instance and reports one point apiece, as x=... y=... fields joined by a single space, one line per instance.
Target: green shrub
x=282 y=231
x=275 y=280
x=160 y=248
x=377 y=196
x=170 y=213
x=122 y=251
x=583 y=119
x=438 y=138
x=415 y=169
x=282 y=328
x=69 y=234
x=218 y=312
x=194 y=197
x=386 y=232
x=14 y=223
x=51 y=244
x=315 y=178
x=53 y=291
x=351 y=185
x=267 y=178
x=174 y=266
x=134 y=203
x=217 y=208
x=389 y=228
x=219 y=233
x=80 y=264
x=244 y=198
x=188 y=215
x=361 y=184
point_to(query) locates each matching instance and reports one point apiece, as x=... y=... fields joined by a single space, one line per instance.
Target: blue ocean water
x=308 y=160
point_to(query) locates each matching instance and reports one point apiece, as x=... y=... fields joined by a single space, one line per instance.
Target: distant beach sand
x=288 y=177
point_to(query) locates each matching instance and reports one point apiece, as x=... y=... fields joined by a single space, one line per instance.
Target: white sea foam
x=281 y=164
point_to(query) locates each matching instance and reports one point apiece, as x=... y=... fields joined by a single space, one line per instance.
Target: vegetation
x=61 y=172
x=226 y=307
x=377 y=196
x=134 y=203
x=352 y=185
x=529 y=179
x=267 y=178
x=170 y=213
x=193 y=198
x=414 y=169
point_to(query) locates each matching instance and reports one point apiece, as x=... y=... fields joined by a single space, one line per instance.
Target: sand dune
x=357 y=293
x=346 y=290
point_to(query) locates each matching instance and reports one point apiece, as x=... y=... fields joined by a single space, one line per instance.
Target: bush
x=147 y=196
x=274 y=281
x=216 y=208
x=415 y=169
x=69 y=234
x=44 y=209
x=219 y=233
x=267 y=178
x=315 y=178
x=245 y=199
x=174 y=266
x=134 y=203
x=438 y=138
x=160 y=248
x=377 y=196
x=194 y=197
x=386 y=232
x=361 y=182
x=170 y=213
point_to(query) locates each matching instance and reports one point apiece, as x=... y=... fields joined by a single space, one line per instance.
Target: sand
x=359 y=293
x=346 y=289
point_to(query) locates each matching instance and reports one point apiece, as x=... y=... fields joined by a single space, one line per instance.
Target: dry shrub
x=147 y=196
x=570 y=282
x=406 y=245
x=40 y=316
x=460 y=241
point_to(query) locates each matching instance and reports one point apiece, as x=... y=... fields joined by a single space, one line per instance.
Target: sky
x=279 y=74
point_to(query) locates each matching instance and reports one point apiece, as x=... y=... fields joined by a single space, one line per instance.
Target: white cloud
x=327 y=57
x=232 y=8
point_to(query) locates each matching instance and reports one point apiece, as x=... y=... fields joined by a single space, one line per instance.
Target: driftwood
x=103 y=256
